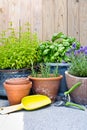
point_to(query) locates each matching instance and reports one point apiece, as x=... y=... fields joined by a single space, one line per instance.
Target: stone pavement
x=47 y=118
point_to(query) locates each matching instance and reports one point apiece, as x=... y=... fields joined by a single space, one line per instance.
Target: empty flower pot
x=16 y=89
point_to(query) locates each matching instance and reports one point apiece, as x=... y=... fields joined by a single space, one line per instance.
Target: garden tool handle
x=75 y=105
x=9 y=109
x=72 y=88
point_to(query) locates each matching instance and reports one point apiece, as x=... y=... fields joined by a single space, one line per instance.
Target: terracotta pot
x=11 y=73
x=79 y=95
x=16 y=89
x=46 y=86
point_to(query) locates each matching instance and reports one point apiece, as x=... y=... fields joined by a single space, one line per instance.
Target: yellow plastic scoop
x=28 y=103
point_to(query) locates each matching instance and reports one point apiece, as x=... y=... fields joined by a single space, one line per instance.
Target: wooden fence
x=47 y=16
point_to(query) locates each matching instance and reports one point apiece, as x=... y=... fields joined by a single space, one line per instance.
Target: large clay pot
x=16 y=89
x=79 y=95
x=46 y=86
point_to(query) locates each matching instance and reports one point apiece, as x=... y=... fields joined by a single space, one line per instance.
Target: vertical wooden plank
x=14 y=12
x=73 y=19
x=25 y=11
x=4 y=11
x=32 y=13
x=60 y=16
x=48 y=19
x=36 y=17
x=83 y=22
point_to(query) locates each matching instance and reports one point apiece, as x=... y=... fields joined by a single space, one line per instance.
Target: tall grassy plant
x=44 y=71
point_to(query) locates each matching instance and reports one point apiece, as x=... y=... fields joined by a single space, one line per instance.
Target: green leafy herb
x=55 y=50
x=18 y=48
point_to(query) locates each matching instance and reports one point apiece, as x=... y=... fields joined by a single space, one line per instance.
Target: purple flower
x=85 y=52
x=76 y=52
x=81 y=49
x=85 y=47
x=74 y=45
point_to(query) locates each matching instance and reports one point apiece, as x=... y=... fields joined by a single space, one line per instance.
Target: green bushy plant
x=78 y=66
x=55 y=50
x=18 y=49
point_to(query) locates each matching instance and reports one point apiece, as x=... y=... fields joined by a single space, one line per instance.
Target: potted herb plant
x=78 y=72
x=17 y=50
x=54 y=53
x=43 y=82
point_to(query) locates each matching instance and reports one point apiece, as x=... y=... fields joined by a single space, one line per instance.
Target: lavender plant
x=78 y=58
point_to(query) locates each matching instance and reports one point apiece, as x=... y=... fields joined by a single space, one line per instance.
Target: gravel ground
x=47 y=118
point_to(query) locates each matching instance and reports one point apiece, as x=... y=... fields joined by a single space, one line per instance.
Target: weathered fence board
x=4 y=14
x=73 y=19
x=47 y=17
x=60 y=12
x=83 y=21
x=14 y=12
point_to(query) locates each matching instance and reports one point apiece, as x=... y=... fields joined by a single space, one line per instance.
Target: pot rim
x=17 y=81
x=58 y=64
x=49 y=78
x=67 y=73
x=14 y=70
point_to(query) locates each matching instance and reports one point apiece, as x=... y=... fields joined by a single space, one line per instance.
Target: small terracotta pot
x=16 y=89
x=46 y=86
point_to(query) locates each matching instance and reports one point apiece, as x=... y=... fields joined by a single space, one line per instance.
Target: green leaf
x=66 y=44
x=58 y=35
x=61 y=49
x=45 y=52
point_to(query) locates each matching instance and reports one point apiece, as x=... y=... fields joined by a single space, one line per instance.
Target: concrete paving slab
x=47 y=118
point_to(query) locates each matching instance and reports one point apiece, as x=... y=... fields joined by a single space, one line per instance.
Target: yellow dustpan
x=28 y=103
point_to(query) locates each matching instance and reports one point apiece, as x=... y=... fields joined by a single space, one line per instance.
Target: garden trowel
x=28 y=103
